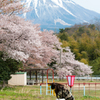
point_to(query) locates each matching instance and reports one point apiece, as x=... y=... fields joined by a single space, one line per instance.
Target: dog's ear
x=53 y=85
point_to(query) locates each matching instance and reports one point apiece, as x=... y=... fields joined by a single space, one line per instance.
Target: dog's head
x=57 y=87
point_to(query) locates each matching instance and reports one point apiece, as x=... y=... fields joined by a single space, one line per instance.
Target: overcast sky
x=89 y=4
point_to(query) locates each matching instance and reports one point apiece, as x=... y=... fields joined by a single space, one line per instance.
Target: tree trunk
x=3 y=84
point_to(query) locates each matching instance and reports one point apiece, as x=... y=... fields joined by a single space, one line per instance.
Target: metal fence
x=87 y=78
x=90 y=90
x=86 y=89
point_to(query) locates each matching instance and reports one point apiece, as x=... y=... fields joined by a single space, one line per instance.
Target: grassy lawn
x=33 y=93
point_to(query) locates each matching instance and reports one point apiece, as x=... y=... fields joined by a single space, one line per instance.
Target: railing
x=86 y=89
x=96 y=78
x=83 y=89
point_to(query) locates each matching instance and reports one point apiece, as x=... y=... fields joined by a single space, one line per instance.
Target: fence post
x=50 y=90
x=84 y=89
x=95 y=89
x=91 y=77
x=40 y=89
x=46 y=88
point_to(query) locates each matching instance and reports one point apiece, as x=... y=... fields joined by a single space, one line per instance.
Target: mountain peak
x=38 y=2
x=51 y=14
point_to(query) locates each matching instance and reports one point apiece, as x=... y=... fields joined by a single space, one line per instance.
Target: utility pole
x=60 y=58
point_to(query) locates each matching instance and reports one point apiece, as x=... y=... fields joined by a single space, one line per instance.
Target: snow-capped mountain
x=55 y=14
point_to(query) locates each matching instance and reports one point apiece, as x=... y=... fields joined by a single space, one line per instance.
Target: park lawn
x=33 y=93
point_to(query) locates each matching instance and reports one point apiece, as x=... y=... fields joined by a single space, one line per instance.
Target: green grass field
x=33 y=93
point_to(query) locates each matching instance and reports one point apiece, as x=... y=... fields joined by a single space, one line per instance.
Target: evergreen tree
x=7 y=67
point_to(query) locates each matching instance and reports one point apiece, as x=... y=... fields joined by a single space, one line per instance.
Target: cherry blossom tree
x=70 y=66
x=19 y=37
x=9 y=7
x=23 y=40
x=48 y=52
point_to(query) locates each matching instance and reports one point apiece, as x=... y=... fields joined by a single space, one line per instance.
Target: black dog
x=61 y=91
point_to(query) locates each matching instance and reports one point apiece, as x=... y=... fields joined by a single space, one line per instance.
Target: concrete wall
x=19 y=78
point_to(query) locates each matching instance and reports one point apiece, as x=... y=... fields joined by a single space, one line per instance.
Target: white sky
x=89 y=4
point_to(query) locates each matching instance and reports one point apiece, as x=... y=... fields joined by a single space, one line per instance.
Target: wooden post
x=30 y=74
x=36 y=76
